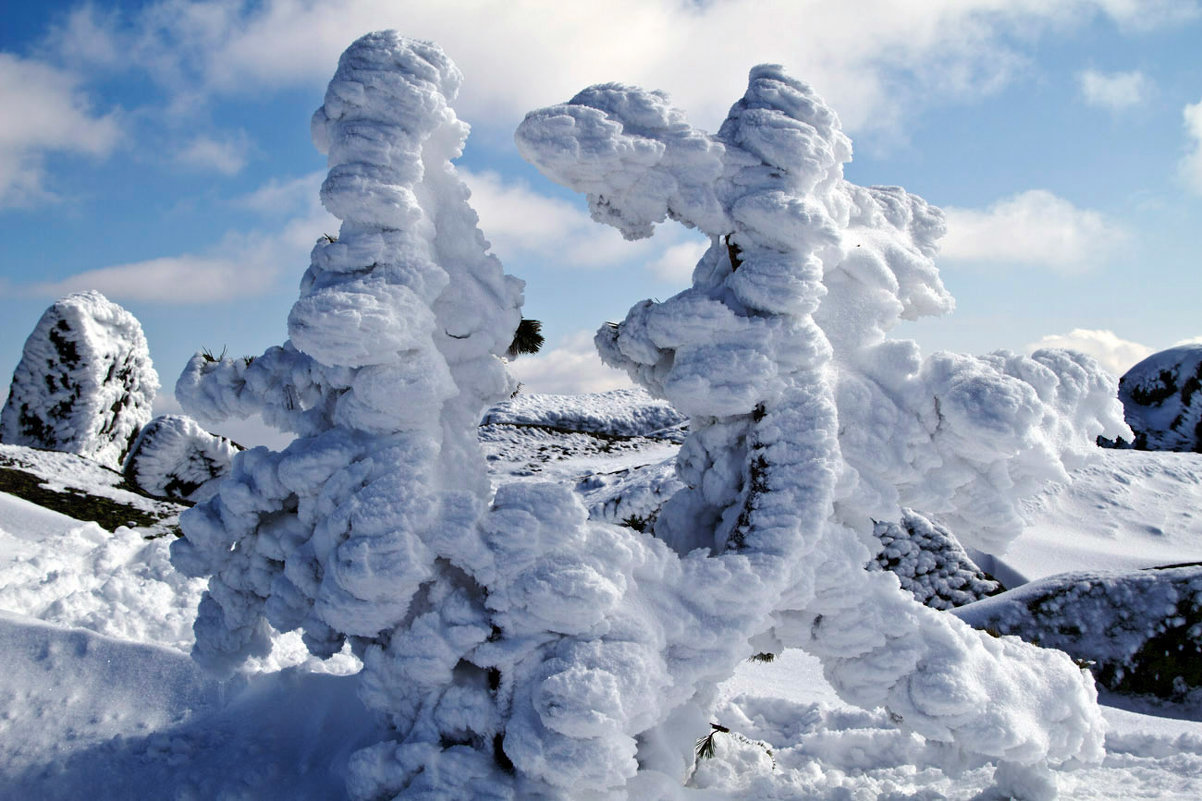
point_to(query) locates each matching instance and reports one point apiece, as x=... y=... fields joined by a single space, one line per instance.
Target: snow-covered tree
x=808 y=421
x=1162 y=400
x=518 y=650
x=85 y=383
x=173 y=457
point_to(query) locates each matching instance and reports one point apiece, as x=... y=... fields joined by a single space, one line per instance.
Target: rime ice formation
x=1162 y=400
x=807 y=422
x=365 y=529
x=85 y=383
x=173 y=457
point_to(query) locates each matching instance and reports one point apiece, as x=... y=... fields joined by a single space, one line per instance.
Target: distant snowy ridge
x=618 y=412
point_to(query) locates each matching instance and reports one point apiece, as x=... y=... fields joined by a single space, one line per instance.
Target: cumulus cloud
x=1034 y=228
x=226 y=155
x=677 y=262
x=44 y=112
x=1113 y=91
x=571 y=367
x=1113 y=353
x=1191 y=166
x=523 y=224
x=242 y=264
x=873 y=66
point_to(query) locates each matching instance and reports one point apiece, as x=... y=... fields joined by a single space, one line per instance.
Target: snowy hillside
x=100 y=698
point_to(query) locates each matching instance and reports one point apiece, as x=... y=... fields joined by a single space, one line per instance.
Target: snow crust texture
x=173 y=457
x=85 y=383
x=807 y=422
x=1162 y=399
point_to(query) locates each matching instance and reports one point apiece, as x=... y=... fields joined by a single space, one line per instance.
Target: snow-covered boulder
x=1141 y=629
x=85 y=383
x=173 y=457
x=930 y=562
x=1162 y=400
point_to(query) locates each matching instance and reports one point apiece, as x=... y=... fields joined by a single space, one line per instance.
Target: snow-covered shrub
x=1141 y=630
x=1162 y=399
x=618 y=412
x=85 y=383
x=807 y=422
x=173 y=457
x=930 y=563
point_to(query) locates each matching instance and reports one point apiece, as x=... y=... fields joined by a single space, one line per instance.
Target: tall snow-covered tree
x=808 y=421
x=85 y=383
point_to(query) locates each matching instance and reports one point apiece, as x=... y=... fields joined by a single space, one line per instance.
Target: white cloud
x=872 y=61
x=44 y=112
x=677 y=262
x=290 y=197
x=570 y=368
x=1113 y=91
x=226 y=155
x=1191 y=166
x=1034 y=228
x=242 y=264
x=1115 y=354
x=522 y=224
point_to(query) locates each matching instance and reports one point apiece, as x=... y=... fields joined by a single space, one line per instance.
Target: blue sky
x=159 y=152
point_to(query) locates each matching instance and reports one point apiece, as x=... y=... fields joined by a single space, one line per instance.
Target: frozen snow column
x=778 y=352
x=357 y=531
x=85 y=383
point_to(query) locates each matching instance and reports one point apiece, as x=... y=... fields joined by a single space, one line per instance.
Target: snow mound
x=1142 y=629
x=1162 y=400
x=173 y=457
x=930 y=562
x=619 y=412
x=85 y=383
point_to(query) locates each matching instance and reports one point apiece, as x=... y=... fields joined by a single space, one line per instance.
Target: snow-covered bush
x=173 y=457
x=85 y=383
x=930 y=563
x=1162 y=399
x=1140 y=630
x=807 y=422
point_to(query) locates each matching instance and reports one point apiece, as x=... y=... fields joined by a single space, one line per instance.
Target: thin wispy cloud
x=1035 y=229
x=571 y=367
x=45 y=112
x=1115 y=91
x=242 y=264
x=226 y=155
x=1190 y=166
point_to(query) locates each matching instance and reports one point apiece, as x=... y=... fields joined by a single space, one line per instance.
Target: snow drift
x=85 y=383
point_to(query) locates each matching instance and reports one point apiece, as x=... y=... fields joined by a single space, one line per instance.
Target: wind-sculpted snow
x=807 y=422
x=85 y=383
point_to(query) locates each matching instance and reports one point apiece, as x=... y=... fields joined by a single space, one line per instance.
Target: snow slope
x=128 y=715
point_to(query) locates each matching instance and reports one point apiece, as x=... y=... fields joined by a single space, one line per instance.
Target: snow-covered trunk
x=355 y=532
x=85 y=383
x=807 y=422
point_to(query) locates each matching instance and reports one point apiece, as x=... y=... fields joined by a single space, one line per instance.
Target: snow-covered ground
x=99 y=698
